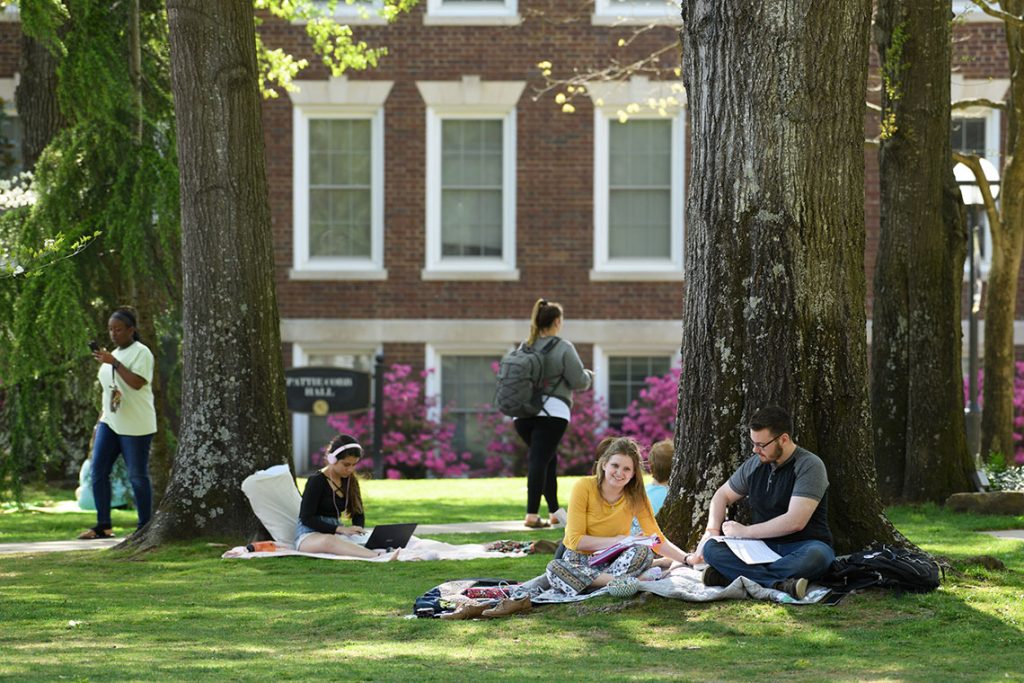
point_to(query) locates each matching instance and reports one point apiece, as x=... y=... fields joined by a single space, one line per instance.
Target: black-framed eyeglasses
x=761 y=446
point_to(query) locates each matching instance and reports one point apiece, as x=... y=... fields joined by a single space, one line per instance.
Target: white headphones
x=332 y=457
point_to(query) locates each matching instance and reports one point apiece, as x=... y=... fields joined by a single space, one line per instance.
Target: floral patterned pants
x=572 y=574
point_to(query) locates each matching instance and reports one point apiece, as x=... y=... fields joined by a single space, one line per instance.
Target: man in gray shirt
x=786 y=487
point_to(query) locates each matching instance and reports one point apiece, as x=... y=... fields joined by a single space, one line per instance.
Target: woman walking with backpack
x=563 y=374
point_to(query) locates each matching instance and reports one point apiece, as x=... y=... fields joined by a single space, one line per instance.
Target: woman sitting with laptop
x=329 y=494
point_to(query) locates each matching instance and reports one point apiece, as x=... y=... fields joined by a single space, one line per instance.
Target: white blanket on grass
x=682 y=583
x=275 y=501
x=418 y=549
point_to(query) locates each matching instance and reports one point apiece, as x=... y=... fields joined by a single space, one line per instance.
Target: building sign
x=327 y=390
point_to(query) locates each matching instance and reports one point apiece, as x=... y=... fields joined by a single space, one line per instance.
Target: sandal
x=536 y=524
x=95 y=532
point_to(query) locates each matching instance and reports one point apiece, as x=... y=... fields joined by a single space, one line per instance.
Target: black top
x=320 y=500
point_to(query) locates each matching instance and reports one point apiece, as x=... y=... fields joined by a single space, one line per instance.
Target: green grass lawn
x=183 y=613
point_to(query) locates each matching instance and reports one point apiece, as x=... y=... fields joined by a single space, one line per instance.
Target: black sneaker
x=712 y=577
x=795 y=587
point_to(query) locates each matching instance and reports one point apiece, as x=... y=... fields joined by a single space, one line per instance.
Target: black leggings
x=541 y=435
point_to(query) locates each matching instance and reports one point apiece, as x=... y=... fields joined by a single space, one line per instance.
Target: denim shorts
x=301 y=530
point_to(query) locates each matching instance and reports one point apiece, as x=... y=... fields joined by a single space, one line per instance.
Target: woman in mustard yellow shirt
x=601 y=510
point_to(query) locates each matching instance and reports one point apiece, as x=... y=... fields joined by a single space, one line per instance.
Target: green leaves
x=333 y=40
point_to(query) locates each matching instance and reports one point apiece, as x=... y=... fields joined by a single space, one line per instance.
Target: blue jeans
x=800 y=559
x=135 y=449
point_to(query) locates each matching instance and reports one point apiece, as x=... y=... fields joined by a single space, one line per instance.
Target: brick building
x=419 y=208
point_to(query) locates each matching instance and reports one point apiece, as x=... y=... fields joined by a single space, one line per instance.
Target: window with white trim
x=467 y=386
x=472 y=12
x=471 y=179
x=627 y=376
x=638 y=195
x=356 y=11
x=338 y=181
x=978 y=134
x=636 y=12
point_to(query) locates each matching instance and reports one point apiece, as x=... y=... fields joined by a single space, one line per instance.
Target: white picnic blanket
x=275 y=501
x=418 y=549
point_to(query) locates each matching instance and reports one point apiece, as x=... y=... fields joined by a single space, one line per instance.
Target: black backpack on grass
x=884 y=566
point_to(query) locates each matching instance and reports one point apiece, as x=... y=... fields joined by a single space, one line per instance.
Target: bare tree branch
x=973 y=162
x=979 y=102
x=988 y=9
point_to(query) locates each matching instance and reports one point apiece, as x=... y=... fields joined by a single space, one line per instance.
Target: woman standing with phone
x=127 y=420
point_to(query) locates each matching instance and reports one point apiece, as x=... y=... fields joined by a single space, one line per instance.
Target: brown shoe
x=506 y=607
x=467 y=610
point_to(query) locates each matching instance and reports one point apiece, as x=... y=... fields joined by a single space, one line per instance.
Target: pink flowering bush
x=1018 y=407
x=652 y=417
x=414 y=446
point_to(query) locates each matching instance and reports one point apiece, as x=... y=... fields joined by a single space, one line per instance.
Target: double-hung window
x=621 y=374
x=472 y=12
x=639 y=151
x=976 y=130
x=636 y=12
x=355 y=12
x=463 y=382
x=471 y=179
x=338 y=180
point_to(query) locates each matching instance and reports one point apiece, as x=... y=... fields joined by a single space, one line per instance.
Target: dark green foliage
x=103 y=174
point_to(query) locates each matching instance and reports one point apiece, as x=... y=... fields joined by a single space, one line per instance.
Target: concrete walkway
x=1009 y=533
x=101 y=543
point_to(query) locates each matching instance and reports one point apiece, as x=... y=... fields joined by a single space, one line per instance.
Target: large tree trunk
x=774 y=306
x=917 y=401
x=36 y=100
x=1007 y=246
x=233 y=382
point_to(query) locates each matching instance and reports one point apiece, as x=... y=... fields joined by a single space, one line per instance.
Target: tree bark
x=917 y=400
x=774 y=303
x=233 y=382
x=36 y=100
x=1007 y=246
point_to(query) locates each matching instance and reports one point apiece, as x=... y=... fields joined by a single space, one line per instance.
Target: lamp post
x=973 y=200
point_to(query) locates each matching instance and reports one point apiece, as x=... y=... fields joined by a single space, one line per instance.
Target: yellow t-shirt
x=592 y=515
x=136 y=415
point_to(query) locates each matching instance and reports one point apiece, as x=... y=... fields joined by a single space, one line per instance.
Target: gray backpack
x=520 y=390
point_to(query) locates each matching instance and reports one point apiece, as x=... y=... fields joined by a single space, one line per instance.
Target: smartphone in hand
x=93 y=346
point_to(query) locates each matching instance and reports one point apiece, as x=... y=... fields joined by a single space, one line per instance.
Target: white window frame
x=372 y=15
x=610 y=100
x=301 y=448
x=440 y=13
x=642 y=13
x=432 y=358
x=337 y=99
x=993 y=144
x=470 y=99
x=603 y=353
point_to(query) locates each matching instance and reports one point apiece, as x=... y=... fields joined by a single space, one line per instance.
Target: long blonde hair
x=634 y=490
x=545 y=314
